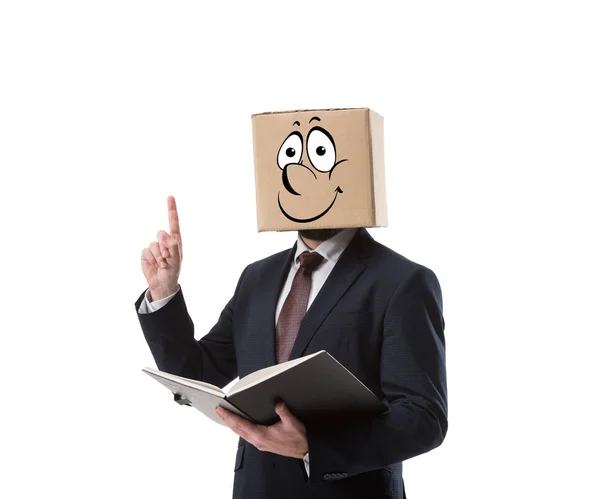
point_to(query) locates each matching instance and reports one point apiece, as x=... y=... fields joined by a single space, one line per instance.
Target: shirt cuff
x=147 y=306
x=306 y=464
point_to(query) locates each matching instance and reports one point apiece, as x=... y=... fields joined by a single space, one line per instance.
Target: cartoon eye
x=321 y=149
x=290 y=151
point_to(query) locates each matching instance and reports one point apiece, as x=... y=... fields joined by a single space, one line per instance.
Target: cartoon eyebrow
x=315 y=118
x=296 y=123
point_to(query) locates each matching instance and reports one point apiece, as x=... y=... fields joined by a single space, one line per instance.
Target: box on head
x=319 y=169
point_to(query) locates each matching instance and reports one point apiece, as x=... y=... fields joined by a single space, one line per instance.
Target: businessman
x=375 y=311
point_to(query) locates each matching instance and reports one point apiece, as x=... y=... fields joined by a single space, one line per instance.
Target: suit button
x=326 y=476
x=344 y=475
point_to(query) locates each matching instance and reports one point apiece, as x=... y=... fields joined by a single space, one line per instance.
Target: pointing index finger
x=173 y=218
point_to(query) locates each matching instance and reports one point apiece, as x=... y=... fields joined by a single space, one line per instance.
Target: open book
x=313 y=386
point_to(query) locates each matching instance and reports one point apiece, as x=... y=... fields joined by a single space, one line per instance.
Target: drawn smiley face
x=307 y=165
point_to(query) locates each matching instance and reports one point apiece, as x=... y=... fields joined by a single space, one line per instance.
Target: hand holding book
x=287 y=437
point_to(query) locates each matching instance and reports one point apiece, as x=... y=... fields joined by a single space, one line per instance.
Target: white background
x=492 y=116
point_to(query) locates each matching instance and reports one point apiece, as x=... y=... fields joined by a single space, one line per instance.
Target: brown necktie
x=295 y=305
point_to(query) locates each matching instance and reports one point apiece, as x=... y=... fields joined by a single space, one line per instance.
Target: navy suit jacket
x=380 y=315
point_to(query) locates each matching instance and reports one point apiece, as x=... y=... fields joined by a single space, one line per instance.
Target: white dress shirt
x=330 y=249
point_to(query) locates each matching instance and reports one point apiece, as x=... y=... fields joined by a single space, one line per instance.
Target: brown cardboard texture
x=319 y=169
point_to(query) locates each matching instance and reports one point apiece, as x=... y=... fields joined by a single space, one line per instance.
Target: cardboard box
x=319 y=169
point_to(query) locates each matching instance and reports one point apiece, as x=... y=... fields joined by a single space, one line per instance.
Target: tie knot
x=310 y=261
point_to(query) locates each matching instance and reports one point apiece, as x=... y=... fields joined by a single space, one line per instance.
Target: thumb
x=171 y=244
x=175 y=251
x=283 y=412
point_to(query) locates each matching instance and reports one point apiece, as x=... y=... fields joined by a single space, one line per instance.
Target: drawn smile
x=311 y=219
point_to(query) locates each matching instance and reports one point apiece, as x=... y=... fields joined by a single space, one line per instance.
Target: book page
x=203 y=396
x=192 y=383
x=266 y=373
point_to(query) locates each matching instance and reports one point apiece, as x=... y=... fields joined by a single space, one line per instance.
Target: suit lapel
x=346 y=271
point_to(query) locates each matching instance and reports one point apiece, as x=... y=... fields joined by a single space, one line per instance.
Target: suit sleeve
x=413 y=380
x=169 y=333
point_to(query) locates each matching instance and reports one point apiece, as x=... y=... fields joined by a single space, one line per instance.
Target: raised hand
x=161 y=260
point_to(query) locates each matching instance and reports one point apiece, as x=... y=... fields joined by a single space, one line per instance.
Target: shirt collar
x=331 y=249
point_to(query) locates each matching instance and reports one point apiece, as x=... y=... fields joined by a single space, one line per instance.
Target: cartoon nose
x=297 y=178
